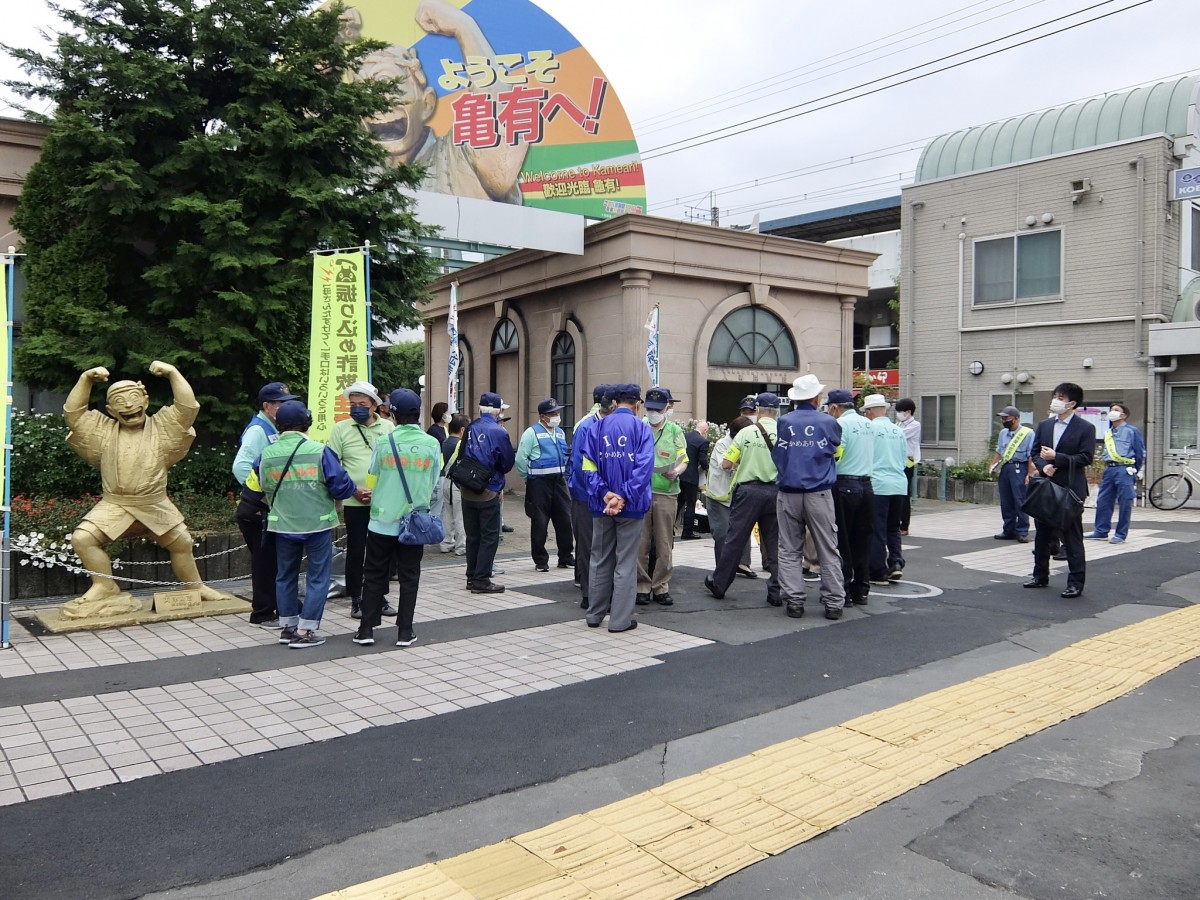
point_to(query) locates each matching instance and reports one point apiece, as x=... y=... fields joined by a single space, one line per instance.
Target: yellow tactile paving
x=677 y=838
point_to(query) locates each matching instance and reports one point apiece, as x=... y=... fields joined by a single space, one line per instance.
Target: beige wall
x=1095 y=319
x=20 y=146
x=695 y=273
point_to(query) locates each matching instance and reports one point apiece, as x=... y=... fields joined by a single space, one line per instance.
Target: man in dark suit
x=689 y=481
x=1063 y=447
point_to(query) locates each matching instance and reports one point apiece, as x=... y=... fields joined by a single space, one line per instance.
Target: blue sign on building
x=1185 y=185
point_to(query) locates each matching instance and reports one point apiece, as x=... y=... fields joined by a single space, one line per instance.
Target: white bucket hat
x=873 y=401
x=806 y=387
x=366 y=389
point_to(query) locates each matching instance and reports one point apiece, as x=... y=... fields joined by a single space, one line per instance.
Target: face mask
x=670 y=412
x=656 y=418
x=446 y=419
x=1113 y=415
x=555 y=421
x=360 y=414
x=752 y=419
x=1008 y=423
x=903 y=416
x=1057 y=406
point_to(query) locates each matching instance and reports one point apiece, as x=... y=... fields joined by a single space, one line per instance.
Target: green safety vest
x=1015 y=441
x=1111 y=446
x=300 y=502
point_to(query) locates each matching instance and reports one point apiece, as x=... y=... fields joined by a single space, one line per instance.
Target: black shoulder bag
x=469 y=474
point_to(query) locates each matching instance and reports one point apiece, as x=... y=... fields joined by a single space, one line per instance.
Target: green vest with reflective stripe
x=300 y=502
x=1015 y=442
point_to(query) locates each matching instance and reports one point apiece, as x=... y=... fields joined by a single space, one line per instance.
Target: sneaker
x=795 y=612
x=406 y=639
x=896 y=574
x=663 y=599
x=568 y=563
x=810 y=575
x=460 y=552
x=287 y=635
x=1096 y=536
x=831 y=613
x=507 y=529
x=539 y=567
x=485 y=587
x=1116 y=540
x=1023 y=538
x=1004 y=536
x=879 y=579
x=306 y=639
x=271 y=624
x=364 y=637
x=642 y=599
x=496 y=570
x=388 y=610
x=355 y=608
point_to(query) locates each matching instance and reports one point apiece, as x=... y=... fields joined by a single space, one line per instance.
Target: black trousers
x=688 y=493
x=1046 y=541
x=910 y=472
x=854 y=505
x=547 y=500
x=382 y=552
x=481 y=522
x=753 y=503
x=251 y=519
x=581 y=518
x=357 y=519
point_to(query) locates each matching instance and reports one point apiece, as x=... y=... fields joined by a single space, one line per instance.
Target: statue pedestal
x=149 y=610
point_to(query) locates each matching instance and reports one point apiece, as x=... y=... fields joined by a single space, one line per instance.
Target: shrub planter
x=982 y=492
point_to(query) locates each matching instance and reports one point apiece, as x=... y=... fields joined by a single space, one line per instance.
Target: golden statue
x=133 y=451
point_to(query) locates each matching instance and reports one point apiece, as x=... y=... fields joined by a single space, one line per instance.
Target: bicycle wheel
x=1170 y=491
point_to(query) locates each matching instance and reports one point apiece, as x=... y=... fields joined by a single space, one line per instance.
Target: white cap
x=806 y=387
x=874 y=401
x=366 y=389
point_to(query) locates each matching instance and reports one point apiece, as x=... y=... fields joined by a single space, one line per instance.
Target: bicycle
x=1174 y=489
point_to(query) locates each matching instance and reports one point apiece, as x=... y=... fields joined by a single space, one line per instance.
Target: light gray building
x=1044 y=249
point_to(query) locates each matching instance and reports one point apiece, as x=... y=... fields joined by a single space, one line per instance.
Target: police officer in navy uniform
x=543 y=461
x=1011 y=464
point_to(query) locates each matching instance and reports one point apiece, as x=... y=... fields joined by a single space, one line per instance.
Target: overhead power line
x=796 y=111
x=779 y=82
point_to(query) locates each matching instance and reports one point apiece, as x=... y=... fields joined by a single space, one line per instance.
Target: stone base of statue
x=162 y=607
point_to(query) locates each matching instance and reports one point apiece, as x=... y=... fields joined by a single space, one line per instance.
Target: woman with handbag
x=405 y=516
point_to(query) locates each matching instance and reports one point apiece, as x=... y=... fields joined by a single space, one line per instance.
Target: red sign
x=881 y=377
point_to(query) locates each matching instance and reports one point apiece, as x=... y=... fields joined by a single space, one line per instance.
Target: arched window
x=562 y=376
x=504 y=338
x=752 y=336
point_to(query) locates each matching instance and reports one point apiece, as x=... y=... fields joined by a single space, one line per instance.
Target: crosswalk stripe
x=692 y=832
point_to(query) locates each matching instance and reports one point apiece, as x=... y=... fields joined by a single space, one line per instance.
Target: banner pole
x=10 y=266
x=367 y=293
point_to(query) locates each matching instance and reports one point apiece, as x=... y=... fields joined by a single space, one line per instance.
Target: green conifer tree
x=198 y=150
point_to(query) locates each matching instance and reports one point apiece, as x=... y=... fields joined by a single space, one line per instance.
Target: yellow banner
x=338 y=355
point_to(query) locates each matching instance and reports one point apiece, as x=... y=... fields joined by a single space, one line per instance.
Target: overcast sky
x=683 y=68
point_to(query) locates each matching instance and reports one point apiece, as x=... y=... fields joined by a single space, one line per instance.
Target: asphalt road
x=1103 y=805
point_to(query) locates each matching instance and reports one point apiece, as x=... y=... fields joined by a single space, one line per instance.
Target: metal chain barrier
x=76 y=569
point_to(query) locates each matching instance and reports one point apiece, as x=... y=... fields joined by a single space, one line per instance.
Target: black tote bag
x=1052 y=503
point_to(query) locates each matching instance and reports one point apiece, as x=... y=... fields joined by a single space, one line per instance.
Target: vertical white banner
x=652 y=344
x=455 y=358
